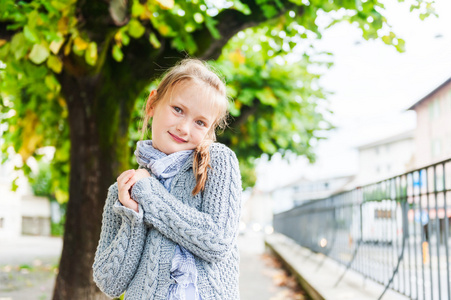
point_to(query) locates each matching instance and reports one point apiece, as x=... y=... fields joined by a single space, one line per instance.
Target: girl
x=169 y=228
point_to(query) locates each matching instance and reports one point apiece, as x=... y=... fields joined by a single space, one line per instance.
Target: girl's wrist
x=133 y=205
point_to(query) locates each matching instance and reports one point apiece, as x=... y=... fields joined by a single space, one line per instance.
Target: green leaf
x=241 y=7
x=52 y=83
x=117 y=53
x=266 y=96
x=211 y=26
x=91 y=54
x=154 y=41
x=55 y=64
x=30 y=34
x=39 y=54
x=137 y=9
x=125 y=38
x=19 y=46
x=135 y=29
x=4 y=50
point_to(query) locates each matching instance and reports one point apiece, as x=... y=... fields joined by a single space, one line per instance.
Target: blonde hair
x=198 y=72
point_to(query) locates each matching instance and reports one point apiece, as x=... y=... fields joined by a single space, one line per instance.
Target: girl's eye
x=177 y=109
x=200 y=123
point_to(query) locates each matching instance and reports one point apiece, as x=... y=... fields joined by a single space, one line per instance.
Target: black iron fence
x=395 y=232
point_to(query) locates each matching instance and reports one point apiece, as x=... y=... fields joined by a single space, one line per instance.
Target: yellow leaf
x=164 y=30
x=61 y=196
x=67 y=48
x=166 y=4
x=2 y=42
x=146 y=14
x=62 y=102
x=55 y=46
x=30 y=140
x=118 y=37
x=91 y=54
x=63 y=25
x=55 y=64
x=80 y=44
x=237 y=58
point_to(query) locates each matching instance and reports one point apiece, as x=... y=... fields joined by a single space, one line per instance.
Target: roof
x=430 y=94
x=394 y=138
x=303 y=180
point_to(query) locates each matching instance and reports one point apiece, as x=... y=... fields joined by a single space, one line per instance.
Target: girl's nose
x=182 y=127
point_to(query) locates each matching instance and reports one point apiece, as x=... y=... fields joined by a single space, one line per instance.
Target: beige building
x=433 y=132
x=386 y=158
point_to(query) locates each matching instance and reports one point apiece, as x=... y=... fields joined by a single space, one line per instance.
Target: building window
x=434 y=109
x=436 y=148
x=382 y=214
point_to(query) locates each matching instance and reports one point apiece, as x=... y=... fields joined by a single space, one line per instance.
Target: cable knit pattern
x=120 y=246
x=205 y=224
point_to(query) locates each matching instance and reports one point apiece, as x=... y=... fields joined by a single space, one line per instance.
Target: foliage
x=276 y=105
x=42 y=184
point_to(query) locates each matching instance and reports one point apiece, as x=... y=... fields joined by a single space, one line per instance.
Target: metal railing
x=395 y=232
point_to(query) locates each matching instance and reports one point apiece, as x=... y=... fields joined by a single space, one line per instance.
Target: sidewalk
x=319 y=274
x=257 y=277
x=27 y=267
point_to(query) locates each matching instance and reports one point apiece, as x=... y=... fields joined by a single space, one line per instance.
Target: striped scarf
x=165 y=167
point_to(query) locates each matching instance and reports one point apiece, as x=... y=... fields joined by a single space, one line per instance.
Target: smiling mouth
x=176 y=138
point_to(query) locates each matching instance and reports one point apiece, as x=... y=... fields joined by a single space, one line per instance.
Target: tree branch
x=246 y=112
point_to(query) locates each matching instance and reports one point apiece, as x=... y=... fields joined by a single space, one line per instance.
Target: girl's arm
x=120 y=246
x=209 y=233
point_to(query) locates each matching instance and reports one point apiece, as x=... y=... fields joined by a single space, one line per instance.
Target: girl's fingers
x=130 y=183
x=125 y=176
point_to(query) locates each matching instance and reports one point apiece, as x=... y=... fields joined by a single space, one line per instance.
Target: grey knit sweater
x=135 y=249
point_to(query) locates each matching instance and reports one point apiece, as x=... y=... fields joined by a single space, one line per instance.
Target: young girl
x=169 y=228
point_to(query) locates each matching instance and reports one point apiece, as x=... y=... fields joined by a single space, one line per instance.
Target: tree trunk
x=99 y=152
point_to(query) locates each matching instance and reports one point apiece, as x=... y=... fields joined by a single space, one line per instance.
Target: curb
x=317 y=274
x=311 y=292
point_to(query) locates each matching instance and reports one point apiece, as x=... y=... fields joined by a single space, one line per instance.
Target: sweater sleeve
x=209 y=233
x=121 y=243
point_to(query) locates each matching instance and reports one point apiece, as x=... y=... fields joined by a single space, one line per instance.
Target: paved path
x=256 y=280
x=257 y=277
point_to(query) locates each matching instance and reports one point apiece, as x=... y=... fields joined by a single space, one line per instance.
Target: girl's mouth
x=176 y=138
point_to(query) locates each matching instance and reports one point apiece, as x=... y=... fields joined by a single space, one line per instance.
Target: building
x=257 y=211
x=21 y=212
x=433 y=132
x=386 y=158
x=303 y=190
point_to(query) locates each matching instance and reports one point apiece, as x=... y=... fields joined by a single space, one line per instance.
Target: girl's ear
x=150 y=107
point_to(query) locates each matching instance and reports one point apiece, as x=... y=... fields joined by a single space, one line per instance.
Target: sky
x=373 y=85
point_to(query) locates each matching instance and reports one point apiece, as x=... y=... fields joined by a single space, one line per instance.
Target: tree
x=73 y=71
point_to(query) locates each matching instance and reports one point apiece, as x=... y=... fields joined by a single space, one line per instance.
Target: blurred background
x=347 y=99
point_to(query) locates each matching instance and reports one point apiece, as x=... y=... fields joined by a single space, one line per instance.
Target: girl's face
x=182 y=119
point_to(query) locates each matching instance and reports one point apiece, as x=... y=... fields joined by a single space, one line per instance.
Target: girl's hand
x=140 y=174
x=124 y=183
